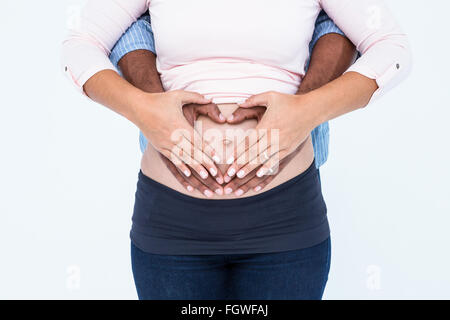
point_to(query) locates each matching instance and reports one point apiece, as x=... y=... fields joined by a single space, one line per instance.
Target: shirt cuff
x=81 y=62
x=395 y=71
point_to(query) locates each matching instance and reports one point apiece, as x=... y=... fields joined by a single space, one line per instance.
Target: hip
x=290 y=216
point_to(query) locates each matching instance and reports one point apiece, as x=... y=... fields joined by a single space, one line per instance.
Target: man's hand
x=193 y=111
x=242 y=114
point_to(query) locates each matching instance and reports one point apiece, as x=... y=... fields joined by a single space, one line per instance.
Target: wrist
x=309 y=110
x=140 y=104
x=311 y=81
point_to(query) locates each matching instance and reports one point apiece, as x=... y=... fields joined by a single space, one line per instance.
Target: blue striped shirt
x=140 y=37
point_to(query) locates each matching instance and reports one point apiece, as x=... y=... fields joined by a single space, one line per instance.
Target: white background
x=69 y=168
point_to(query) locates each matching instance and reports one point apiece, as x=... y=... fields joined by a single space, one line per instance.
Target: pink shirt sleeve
x=369 y=24
x=86 y=49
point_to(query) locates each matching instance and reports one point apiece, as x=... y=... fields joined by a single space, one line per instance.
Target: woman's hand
x=160 y=117
x=286 y=124
x=255 y=183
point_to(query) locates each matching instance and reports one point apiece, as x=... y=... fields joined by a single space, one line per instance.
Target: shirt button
x=398 y=65
x=65 y=69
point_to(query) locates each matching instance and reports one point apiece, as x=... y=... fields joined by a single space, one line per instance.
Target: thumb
x=212 y=111
x=242 y=114
x=189 y=115
x=258 y=100
x=193 y=97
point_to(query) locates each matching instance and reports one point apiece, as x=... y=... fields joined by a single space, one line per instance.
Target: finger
x=177 y=174
x=242 y=114
x=235 y=184
x=184 y=154
x=193 y=97
x=272 y=165
x=219 y=178
x=258 y=184
x=173 y=158
x=249 y=185
x=261 y=99
x=258 y=144
x=193 y=151
x=188 y=113
x=261 y=183
x=255 y=183
x=243 y=172
x=206 y=184
x=204 y=152
x=249 y=141
x=256 y=156
x=212 y=111
x=198 y=185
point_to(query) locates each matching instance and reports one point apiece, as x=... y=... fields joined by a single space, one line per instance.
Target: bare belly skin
x=153 y=167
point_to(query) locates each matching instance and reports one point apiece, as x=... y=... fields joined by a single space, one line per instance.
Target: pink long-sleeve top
x=229 y=50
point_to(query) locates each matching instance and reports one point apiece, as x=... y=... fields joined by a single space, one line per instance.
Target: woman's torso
x=230 y=50
x=153 y=166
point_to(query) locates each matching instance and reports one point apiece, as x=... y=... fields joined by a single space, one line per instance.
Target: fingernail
x=231 y=172
x=204 y=174
x=219 y=180
x=230 y=118
x=213 y=172
x=240 y=192
x=241 y=174
x=190 y=189
x=187 y=173
x=208 y=193
x=221 y=117
x=228 y=190
x=216 y=159
x=261 y=172
x=230 y=160
x=258 y=188
x=227 y=179
x=219 y=191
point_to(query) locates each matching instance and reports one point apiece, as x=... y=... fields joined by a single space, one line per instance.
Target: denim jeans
x=290 y=275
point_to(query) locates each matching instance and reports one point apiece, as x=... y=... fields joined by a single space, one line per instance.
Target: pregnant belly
x=224 y=138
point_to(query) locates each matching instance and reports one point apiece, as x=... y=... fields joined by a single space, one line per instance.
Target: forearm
x=109 y=89
x=347 y=93
x=332 y=55
x=139 y=68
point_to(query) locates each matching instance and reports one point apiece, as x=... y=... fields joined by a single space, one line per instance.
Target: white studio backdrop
x=69 y=169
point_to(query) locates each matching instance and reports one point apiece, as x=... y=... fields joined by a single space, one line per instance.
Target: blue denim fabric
x=290 y=275
x=140 y=36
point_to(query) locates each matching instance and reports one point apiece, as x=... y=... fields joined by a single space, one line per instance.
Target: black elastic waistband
x=287 y=217
x=152 y=184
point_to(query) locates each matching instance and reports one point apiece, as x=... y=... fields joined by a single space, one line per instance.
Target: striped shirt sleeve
x=324 y=26
x=138 y=37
